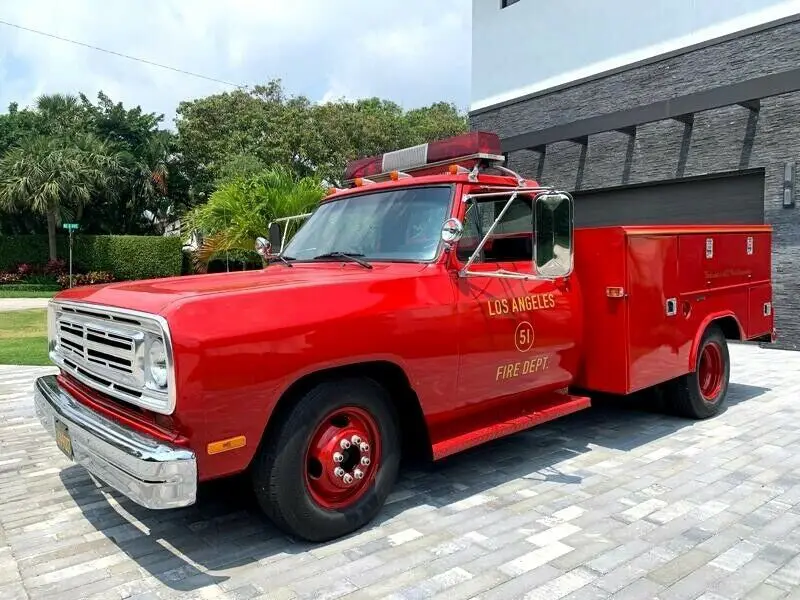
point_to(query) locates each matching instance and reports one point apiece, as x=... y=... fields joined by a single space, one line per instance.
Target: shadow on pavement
x=183 y=548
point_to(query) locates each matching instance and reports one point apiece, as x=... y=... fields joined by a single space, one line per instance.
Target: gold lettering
x=525 y=367
x=528 y=302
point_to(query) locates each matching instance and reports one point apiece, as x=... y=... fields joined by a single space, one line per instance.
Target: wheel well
x=414 y=431
x=729 y=327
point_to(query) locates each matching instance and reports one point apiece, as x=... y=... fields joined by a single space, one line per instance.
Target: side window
x=511 y=240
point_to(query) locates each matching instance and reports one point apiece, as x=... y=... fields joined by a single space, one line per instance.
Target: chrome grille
x=104 y=348
x=113 y=350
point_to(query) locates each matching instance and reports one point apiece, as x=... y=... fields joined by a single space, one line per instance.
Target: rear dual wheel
x=701 y=394
x=330 y=464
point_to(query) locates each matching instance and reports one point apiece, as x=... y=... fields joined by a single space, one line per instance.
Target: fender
x=341 y=363
x=702 y=329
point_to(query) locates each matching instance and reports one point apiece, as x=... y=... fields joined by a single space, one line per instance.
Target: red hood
x=154 y=295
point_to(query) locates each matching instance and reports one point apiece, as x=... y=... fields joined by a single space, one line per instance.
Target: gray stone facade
x=721 y=140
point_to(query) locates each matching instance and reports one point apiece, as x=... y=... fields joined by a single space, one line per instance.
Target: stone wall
x=721 y=140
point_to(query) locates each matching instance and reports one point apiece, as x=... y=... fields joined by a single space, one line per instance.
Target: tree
x=269 y=128
x=142 y=200
x=242 y=208
x=56 y=177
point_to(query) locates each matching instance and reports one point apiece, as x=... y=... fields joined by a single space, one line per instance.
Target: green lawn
x=25 y=294
x=23 y=337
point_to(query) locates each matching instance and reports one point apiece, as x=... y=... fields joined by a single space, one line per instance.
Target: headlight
x=157 y=363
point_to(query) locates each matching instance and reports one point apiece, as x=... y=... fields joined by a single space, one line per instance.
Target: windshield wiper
x=284 y=259
x=348 y=256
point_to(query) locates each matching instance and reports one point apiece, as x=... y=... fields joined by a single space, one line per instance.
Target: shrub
x=56 y=267
x=24 y=269
x=15 y=249
x=9 y=278
x=91 y=278
x=125 y=256
x=30 y=287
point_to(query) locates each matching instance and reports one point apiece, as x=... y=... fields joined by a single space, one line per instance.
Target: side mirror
x=275 y=235
x=263 y=247
x=553 y=227
x=452 y=230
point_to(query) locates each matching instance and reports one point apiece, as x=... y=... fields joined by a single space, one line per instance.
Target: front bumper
x=148 y=471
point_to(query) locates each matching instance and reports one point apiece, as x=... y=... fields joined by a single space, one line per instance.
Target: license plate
x=63 y=439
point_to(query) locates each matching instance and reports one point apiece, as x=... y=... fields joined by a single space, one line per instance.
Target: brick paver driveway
x=607 y=503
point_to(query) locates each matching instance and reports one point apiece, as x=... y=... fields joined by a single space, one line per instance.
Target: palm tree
x=241 y=209
x=56 y=176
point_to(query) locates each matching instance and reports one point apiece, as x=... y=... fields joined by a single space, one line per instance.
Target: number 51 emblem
x=523 y=336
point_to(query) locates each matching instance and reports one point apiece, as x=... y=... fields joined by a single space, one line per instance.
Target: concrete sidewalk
x=7 y=304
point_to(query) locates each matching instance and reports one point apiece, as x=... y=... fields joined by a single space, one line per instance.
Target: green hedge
x=29 y=287
x=125 y=256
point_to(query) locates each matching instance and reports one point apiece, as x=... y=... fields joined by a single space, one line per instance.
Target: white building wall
x=534 y=45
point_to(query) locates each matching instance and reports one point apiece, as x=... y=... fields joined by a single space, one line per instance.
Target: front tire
x=328 y=467
x=701 y=394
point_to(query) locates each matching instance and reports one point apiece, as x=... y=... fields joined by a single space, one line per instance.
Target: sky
x=413 y=52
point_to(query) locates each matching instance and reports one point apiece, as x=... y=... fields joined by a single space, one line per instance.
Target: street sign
x=71 y=227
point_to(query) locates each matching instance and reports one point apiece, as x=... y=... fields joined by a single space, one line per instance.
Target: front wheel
x=701 y=394
x=330 y=464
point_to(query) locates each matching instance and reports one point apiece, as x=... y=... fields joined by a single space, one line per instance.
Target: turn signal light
x=615 y=292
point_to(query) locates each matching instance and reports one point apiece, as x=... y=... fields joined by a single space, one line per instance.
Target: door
x=516 y=336
x=722 y=199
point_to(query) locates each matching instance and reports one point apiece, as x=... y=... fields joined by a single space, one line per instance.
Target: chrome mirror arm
x=502 y=273
x=465 y=269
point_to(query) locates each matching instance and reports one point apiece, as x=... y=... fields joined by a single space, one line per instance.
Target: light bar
x=472 y=146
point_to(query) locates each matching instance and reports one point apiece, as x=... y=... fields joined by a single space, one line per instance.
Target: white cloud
x=410 y=51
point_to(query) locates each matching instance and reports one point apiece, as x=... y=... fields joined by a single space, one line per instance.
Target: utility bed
x=649 y=291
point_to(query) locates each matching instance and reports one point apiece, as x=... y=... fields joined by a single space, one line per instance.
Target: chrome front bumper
x=148 y=471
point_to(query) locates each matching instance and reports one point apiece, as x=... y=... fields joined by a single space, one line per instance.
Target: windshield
x=402 y=224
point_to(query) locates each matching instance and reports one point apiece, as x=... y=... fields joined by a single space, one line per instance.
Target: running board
x=547 y=408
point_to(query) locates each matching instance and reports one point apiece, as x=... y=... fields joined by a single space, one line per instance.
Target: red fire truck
x=439 y=301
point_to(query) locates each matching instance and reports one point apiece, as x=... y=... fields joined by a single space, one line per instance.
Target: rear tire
x=304 y=477
x=701 y=394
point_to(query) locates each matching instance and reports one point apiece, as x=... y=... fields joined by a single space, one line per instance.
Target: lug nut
x=345 y=444
x=338 y=457
x=358 y=474
x=364 y=447
x=365 y=461
x=339 y=472
x=347 y=478
x=356 y=440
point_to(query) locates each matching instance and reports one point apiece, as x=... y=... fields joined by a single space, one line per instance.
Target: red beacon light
x=456 y=153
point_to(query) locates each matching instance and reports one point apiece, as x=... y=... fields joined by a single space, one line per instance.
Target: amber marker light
x=233 y=443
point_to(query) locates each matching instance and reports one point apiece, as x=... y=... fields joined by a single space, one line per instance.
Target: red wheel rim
x=342 y=457
x=710 y=371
